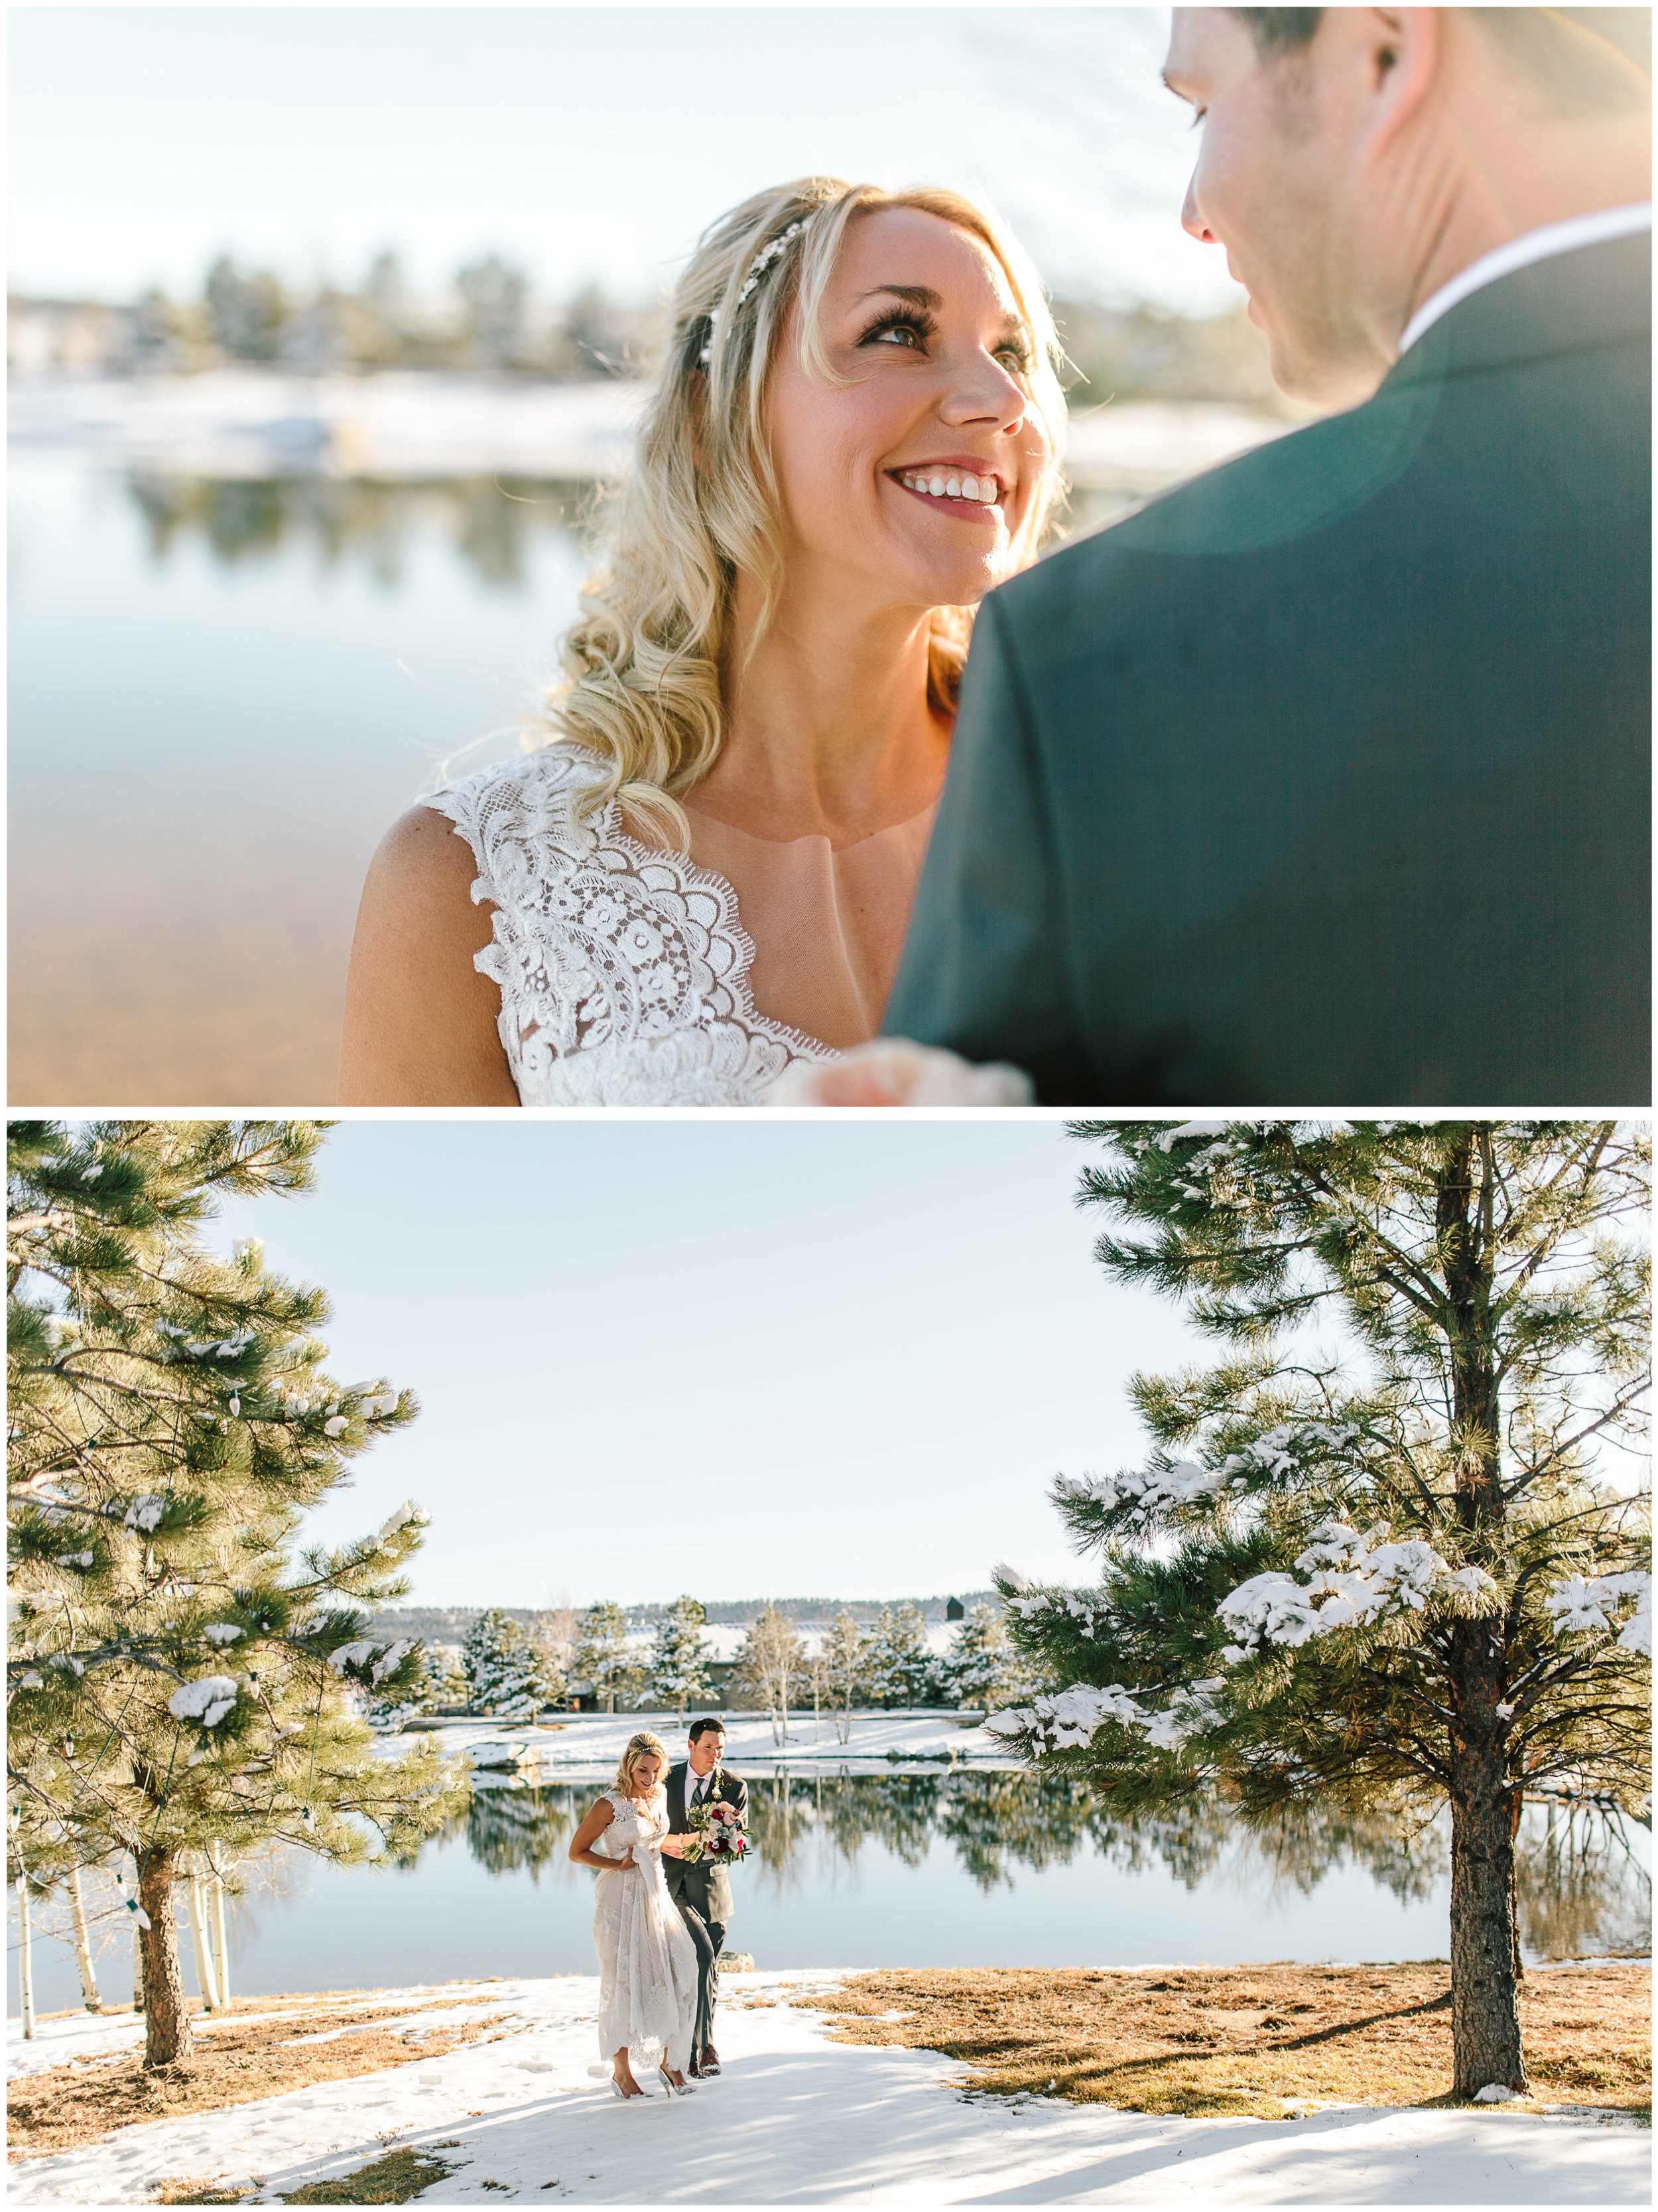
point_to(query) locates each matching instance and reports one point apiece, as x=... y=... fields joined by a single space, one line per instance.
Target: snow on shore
x=586 y=1745
x=403 y=425
x=795 y=2119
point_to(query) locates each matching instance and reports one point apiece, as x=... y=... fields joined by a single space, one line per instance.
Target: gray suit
x=1325 y=778
x=702 y=1892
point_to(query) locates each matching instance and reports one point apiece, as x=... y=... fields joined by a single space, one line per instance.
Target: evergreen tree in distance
x=898 y=1665
x=680 y=1656
x=506 y=1671
x=601 y=1657
x=446 y=1677
x=177 y=1680
x=983 y=1667
x=1394 y=1581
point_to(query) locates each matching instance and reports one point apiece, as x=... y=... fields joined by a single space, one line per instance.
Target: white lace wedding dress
x=646 y=1960
x=623 y=969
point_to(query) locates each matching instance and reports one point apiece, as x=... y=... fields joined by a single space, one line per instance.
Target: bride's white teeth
x=937 y=487
x=953 y=488
x=969 y=486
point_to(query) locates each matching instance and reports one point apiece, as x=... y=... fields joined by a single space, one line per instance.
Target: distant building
x=67 y=337
x=954 y=1609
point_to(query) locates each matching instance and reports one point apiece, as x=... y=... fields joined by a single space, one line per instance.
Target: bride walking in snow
x=647 y=1960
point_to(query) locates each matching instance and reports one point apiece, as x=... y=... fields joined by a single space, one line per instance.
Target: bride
x=647 y=1960
x=703 y=881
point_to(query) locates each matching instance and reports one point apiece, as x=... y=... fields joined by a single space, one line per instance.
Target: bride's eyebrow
x=919 y=295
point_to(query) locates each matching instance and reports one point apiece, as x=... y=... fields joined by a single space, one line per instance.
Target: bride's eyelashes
x=911 y=328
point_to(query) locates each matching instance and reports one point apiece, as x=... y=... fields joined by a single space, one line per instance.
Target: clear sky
x=741 y=1359
x=584 y=143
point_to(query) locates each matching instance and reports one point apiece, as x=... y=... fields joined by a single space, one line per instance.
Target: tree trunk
x=1485 y=1989
x=137 y=1967
x=166 y=2023
x=221 y=1945
x=77 y=1916
x=25 y=1961
x=1485 y=1799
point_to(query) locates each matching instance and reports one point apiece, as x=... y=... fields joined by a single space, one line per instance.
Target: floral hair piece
x=757 y=269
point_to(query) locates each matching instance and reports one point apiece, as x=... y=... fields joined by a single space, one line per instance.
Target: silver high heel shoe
x=676 y=2089
x=628 y=2097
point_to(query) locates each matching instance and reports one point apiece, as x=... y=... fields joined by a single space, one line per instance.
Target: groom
x=1324 y=779
x=702 y=1891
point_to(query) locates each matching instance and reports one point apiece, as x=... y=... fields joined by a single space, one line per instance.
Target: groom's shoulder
x=1295 y=484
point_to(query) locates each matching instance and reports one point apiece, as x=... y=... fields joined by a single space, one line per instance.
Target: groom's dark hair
x=1545 y=44
x=700 y=1729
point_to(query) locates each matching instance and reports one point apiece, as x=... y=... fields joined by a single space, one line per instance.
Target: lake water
x=961 y=1869
x=222 y=694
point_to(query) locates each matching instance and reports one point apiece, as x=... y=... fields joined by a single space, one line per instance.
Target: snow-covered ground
x=403 y=425
x=590 y=1743
x=795 y=2119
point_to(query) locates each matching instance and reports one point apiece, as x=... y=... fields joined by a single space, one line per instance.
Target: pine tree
x=506 y=1674
x=842 y=1655
x=897 y=1664
x=387 y=1713
x=602 y=1657
x=177 y=1680
x=446 y=1676
x=679 y=1659
x=1389 y=1581
x=770 y=1663
x=984 y=1668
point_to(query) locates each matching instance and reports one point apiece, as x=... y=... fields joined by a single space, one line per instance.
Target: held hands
x=672 y=1847
x=893 y=1071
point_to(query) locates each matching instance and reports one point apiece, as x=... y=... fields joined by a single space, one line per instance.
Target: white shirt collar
x=1519 y=253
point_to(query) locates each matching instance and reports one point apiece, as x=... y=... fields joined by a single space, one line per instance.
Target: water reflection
x=490 y=522
x=1582 y=1890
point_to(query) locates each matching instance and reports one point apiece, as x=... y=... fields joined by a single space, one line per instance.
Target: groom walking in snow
x=702 y=1891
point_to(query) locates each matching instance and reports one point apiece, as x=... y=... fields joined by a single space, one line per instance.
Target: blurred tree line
x=490 y=321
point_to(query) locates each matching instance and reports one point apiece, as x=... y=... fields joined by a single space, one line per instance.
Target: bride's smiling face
x=915 y=480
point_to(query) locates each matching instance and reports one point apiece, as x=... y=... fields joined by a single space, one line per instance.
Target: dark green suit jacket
x=706 y=1886
x=1323 y=780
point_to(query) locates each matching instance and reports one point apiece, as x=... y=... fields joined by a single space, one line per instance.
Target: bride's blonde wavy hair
x=642 y=668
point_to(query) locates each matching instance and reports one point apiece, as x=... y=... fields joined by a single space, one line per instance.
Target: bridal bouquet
x=716 y=1833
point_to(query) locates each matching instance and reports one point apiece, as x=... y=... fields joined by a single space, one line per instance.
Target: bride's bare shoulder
x=419 y=1020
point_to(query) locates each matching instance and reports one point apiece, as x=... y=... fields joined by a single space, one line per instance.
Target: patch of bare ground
x=1249 y=2040
x=257 y=2050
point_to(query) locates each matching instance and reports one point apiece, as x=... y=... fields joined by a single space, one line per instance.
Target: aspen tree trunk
x=77 y=1915
x=206 y=1979
x=167 y=2022
x=25 y=1962
x=221 y=1947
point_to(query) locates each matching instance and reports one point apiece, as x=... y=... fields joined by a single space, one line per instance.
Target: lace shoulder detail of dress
x=622 y=968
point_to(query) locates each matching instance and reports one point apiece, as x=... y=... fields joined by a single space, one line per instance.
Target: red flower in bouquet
x=716 y=1833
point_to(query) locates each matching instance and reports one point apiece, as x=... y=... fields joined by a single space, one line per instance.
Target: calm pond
x=222 y=692
x=961 y=1869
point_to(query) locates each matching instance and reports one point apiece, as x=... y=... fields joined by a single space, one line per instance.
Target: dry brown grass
x=1249 y=2039
x=239 y=2056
